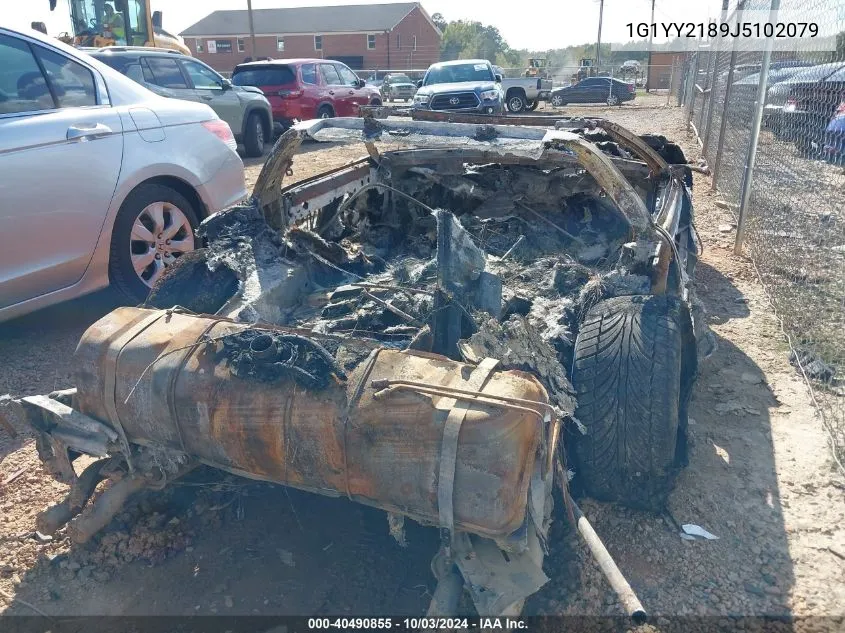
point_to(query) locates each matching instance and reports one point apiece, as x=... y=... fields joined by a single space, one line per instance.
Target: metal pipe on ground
x=624 y=591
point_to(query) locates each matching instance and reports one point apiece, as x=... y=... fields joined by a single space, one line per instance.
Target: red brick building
x=397 y=36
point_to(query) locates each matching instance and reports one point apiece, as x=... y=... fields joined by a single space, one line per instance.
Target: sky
x=543 y=25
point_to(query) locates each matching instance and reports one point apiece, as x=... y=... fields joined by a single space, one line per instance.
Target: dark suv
x=302 y=89
x=171 y=74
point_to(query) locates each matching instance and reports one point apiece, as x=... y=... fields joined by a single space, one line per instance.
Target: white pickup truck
x=524 y=93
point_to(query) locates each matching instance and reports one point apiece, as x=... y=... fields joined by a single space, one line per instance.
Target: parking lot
x=759 y=478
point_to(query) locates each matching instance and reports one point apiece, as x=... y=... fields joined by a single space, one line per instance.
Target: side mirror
x=226 y=85
x=361 y=83
x=498 y=78
x=157 y=19
x=39 y=26
x=419 y=84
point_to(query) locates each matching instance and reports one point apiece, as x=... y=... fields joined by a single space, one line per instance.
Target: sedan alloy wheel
x=160 y=234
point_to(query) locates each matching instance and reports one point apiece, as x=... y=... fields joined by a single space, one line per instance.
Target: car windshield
x=458 y=72
x=399 y=79
x=267 y=76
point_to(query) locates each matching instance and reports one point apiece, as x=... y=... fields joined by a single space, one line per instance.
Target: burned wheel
x=627 y=376
x=154 y=227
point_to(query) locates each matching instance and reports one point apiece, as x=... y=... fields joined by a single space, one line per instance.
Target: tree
x=474 y=40
x=439 y=21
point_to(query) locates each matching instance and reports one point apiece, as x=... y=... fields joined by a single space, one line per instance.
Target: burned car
x=443 y=330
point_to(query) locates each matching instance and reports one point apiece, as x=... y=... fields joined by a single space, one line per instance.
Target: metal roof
x=334 y=19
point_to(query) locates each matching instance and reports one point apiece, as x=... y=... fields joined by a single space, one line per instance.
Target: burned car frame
x=442 y=330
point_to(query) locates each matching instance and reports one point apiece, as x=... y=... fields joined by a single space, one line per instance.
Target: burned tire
x=627 y=376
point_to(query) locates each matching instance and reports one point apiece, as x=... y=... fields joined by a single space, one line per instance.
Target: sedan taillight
x=221 y=130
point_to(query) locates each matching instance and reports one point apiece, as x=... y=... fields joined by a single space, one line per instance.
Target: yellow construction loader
x=99 y=23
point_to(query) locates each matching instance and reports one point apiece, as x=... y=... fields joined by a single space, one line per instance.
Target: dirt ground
x=760 y=478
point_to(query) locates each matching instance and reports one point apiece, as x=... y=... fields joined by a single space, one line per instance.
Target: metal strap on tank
x=110 y=387
x=347 y=410
x=449 y=449
x=174 y=376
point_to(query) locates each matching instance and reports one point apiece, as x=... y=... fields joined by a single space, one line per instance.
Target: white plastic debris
x=690 y=531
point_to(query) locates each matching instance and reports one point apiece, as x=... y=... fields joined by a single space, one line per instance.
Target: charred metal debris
x=402 y=330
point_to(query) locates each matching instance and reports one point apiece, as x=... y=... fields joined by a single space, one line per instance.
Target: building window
x=398 y=41
x=241 y=47
x=415 y=42
x=280 y=44
x=224 y=46
x=318 y=42
x=371 y=42
x=199 y=46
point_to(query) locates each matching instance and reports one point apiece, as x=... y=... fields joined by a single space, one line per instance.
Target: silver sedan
x=101 y=181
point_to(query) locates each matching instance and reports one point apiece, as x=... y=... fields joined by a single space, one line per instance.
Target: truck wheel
x=154 y=227
x=516 y=102
x=254 y=136
x=627 y=376
x=532 y=105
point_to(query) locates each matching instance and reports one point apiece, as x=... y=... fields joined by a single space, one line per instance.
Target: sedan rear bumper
x=226 y=187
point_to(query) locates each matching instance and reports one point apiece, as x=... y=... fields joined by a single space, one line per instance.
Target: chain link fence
x=793 y=225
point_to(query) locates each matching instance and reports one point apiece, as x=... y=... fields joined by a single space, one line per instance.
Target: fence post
x=723 y=125
x=671 y=82
x=751 y=157
x=709 y=116
x=692 y=93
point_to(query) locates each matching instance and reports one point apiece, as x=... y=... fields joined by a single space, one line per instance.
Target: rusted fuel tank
x=165 y=379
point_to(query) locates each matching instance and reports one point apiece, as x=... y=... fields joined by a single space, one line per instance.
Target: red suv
x=305 y=89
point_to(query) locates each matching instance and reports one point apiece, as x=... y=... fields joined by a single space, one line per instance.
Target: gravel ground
x=760 y=478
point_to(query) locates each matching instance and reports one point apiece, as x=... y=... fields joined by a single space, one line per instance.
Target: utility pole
x=650 y=40
x=598 y=39
x=251 y=29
